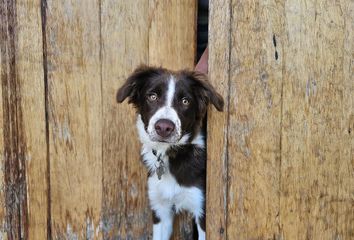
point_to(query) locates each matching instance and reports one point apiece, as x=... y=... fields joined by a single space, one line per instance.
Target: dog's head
x=171 y=104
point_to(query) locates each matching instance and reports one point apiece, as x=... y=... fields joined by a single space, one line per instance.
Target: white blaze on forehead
x=170 y=91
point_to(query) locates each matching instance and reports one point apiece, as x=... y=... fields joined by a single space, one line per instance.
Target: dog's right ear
x=132 y=86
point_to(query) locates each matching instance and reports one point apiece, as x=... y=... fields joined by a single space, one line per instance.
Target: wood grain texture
x=3 y=233
x=254 y=121
x=317 y=186
x=345 y=198
x=290 y=146
x=217 y=129
x=172 y=33
x=14 y=142
x=125 y=211
x=29 y=68
x=280 y=157
x=23 y=161
x=75 y=117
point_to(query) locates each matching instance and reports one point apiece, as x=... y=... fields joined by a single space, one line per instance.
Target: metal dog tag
x=160 y=170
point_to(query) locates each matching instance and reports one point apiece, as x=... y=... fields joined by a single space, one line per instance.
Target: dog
x=171 y=106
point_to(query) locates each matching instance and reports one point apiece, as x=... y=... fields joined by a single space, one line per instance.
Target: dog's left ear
x=207 y=91
x=132 y=86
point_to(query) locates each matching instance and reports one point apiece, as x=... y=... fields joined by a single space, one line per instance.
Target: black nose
x=164 y=127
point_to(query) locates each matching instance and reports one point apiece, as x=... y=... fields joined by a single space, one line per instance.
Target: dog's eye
x=185 y=101
x=152 y=97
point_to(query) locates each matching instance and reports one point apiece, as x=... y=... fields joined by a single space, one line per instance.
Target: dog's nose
x=164 y=127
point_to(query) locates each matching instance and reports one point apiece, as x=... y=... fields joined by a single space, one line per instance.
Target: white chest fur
x=167 y=193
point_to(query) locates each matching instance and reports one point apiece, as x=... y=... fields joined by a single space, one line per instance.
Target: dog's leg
x=201 y=233
x=201 y=227
x=163 y=224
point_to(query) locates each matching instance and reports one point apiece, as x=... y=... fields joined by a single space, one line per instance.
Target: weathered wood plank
x=172 y=44
x=125 y=211
x=254 y=121
x=345 y=198
x=75 y=117
x=217 y=143
x=14 y=143
x=172 y=33
x=316 y=183
x=3 y=233
x=29 y=74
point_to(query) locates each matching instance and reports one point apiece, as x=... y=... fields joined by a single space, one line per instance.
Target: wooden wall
x=280 y=159
x=69 y=161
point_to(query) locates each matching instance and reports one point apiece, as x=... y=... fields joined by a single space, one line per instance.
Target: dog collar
x=160 y=167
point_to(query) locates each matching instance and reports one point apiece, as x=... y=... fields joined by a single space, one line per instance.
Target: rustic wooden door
x=280 y=158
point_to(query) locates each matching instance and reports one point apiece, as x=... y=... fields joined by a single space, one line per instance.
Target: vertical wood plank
x=125 y=211
x=317 y=188
x=172 y=33
x=172 y=44
x=345 y=198
x=75 y=117
x=24 y=124
x=2 y=162
x=217 y=129
x=254 y=121
x=14 y=142
x=29 y=68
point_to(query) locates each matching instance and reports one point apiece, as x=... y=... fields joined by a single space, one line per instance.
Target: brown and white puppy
x=170 y=110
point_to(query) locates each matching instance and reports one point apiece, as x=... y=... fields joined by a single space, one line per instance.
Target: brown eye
x=185 y=101
x=152 y=97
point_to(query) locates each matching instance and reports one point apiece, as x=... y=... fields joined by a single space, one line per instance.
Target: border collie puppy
x=170 y=110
